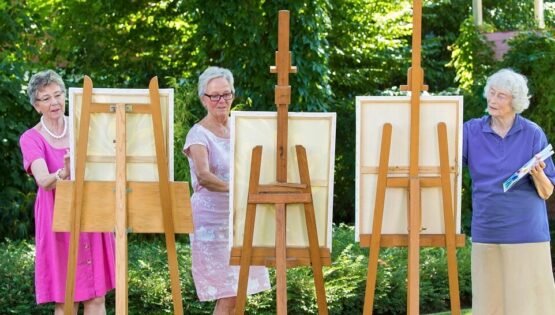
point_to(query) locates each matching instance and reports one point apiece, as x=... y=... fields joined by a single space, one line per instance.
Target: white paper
x=525 y=169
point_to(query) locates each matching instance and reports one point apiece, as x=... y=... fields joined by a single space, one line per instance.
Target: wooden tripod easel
x=90 y=206
x=414 y=182
x=280 y=194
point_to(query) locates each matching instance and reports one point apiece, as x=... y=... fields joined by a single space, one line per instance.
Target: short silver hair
x=515 y=83
x=212 y=73
x=41 y=79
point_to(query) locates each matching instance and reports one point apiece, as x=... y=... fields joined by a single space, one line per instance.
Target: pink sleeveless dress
x=95 y=273
x=213 y=276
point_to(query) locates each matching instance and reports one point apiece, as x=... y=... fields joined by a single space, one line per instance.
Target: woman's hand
x=66 y=170
x=544 y=187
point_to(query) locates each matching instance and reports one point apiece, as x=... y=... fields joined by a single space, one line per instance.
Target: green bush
x=17 y=285
x=345 y=280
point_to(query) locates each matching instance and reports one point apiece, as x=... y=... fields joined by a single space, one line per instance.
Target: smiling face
x=218 y=109
x=50 y=101
x=499 y=103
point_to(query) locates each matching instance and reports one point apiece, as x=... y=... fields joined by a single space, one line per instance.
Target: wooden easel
x=280 y=194
x=89 y=206
x=413 y=182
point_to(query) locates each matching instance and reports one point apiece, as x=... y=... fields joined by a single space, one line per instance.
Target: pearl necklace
x=50 y=132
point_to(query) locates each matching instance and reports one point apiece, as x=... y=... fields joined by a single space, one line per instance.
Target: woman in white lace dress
x=207 y=147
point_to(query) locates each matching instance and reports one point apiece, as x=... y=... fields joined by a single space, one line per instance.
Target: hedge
x=345 y=280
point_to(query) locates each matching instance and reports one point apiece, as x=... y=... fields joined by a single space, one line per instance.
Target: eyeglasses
x=217 y=98
x=48 y=98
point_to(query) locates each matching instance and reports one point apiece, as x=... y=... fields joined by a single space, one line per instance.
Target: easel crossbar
x=265 y=256
x=279 y=198
x=96 y=108
x=402 y=240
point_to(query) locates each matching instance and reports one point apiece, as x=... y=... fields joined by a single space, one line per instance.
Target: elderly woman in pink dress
x=208 y=149
x=45 y=156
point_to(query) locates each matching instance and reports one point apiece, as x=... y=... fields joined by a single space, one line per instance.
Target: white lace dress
x=213 y=276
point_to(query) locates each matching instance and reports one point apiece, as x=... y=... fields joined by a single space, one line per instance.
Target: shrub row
x=345 y=280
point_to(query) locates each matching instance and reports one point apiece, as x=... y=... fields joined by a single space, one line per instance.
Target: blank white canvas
x=372 y=112
x=316 y=132
x=140 y=147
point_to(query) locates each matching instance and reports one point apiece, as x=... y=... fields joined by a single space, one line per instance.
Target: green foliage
x=231 y=38
x=533 y=55
x=441 y=21
x=509 y=15
x=187 y=111
x=16 y=115
x=368 y=46
x=472 y=56
x=116 y=43
x=345 y=280
x=18 y=284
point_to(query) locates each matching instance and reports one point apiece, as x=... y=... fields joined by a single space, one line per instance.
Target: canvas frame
x=140 y=148
x=249 y=129
x=374 y=111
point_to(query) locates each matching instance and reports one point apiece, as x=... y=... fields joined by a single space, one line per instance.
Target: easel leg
x=121 y=271
x=77 y=200
x=449 y=220
x=174 y=273
x=246 y=251
x=71 y=266
x=413 y=292
x=165 y=196
x=281 y=259
x=121 y=213
x=314 y=246
x=377 y=223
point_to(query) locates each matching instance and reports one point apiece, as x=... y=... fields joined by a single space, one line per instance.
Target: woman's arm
x=199 y=155
x=544 y=187
x=45 y=179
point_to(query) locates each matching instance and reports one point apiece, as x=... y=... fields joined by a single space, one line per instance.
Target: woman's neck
x=55 y=125
x=217 y=125
x=502 y=125
x=216 y=120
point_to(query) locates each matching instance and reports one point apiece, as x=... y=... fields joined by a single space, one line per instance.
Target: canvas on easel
x=372 y=113
x=141 y=151
x=316 y=132
x=122 y=177
x=409 y=175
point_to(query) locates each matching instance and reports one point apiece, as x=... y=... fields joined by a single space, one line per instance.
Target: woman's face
x=50 y=101
x=499 y=103
x=218 y=88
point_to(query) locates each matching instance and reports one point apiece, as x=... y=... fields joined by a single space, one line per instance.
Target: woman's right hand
x=66 y=170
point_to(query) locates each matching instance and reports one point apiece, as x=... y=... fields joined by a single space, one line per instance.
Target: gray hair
x=213 y=73
x=516 y=83
x=41 y=79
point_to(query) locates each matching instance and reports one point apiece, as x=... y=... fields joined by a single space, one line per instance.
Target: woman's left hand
x=544 y=187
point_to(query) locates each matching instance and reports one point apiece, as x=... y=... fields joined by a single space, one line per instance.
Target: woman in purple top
x=208 y=149
x=511 y=260
x=45 y=157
